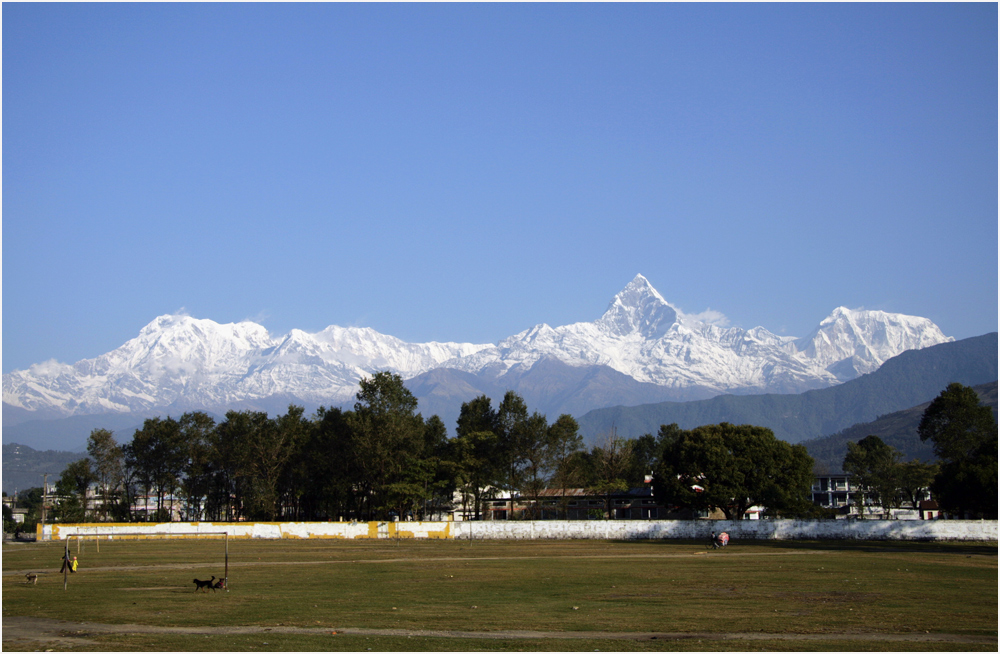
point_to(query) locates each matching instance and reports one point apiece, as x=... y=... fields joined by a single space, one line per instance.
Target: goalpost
x=164 y=535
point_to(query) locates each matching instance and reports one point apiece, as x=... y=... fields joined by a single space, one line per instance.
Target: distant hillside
x=550 y=386
x=23 y=466
x=71 y=433
x=902 y=382
x=898 y=429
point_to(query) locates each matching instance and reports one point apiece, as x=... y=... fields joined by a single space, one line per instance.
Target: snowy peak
x=179 y=362
x=638 y=309
x=852 y=342
x=180 y=347
x=646 y=338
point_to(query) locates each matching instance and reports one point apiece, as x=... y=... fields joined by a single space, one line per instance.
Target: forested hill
x=23 y=467
x=898 y=430
x=913 y=377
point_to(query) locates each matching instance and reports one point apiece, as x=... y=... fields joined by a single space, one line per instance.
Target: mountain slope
x=70 y=434
x=904 y=381
x=897 y=429
x=25 y=467
x=642 y=349
x=183 y=363
x=549 y=386
x=646 y=338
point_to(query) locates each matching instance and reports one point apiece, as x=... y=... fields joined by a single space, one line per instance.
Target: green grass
x=836 y=595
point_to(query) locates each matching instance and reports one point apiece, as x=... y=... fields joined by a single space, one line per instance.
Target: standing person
x=67 y=564
x=72 y=566
x=715 y=543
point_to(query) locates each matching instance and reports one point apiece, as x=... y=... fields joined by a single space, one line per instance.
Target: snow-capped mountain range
x=179 y=363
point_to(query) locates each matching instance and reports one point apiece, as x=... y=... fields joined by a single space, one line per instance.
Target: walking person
x=67 y=563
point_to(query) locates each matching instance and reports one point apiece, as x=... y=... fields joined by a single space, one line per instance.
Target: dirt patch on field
x=64 y=634
x=453 y=559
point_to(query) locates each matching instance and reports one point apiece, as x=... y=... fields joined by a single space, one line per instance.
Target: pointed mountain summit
x=638 y=309
x=643 y=336
x=641 y=349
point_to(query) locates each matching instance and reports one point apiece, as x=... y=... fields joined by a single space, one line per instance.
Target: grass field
x=413 y=595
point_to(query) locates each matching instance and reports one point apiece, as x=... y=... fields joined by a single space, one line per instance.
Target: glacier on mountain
x=180 y=362
x=645 y=337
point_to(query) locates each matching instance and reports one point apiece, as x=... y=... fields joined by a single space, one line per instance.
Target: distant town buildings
x=829 y=491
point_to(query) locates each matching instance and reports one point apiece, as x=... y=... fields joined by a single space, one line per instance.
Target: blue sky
x=462 y=172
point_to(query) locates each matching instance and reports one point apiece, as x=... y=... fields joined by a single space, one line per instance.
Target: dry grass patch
x=677 y=589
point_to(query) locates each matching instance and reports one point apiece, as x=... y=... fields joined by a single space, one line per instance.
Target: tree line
x=963 y=480
x=383 y=460
x=378 y=461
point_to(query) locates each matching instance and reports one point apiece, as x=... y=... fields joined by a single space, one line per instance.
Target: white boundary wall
x=240 y=530
x=963 y=530
x=969 y=530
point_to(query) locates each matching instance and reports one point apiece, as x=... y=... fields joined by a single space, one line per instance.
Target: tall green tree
x=476 y=453
x=874 y=468
x=255 y=449
x=915 y=479
x=197 y=429
x=731 y=468
x=387 y=432
x=788 y=492
x=131 y=481
x=612 y=460
x=441 y=482
x=477 y=415
x=231 y=468
x=964 y=434
x=271 y=446
x=423 y=474
x=477 y=469
x=327 y=461
x=511 y=431
x=646 y=454
x=537 y=460
x=108 y=467
x=565 y=442
x=71 y=488
x=159 y=454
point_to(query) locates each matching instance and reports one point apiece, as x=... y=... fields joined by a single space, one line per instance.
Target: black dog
x=206 y=584
x=219 y=585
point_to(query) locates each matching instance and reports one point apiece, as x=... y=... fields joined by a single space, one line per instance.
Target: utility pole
x=45 y=490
